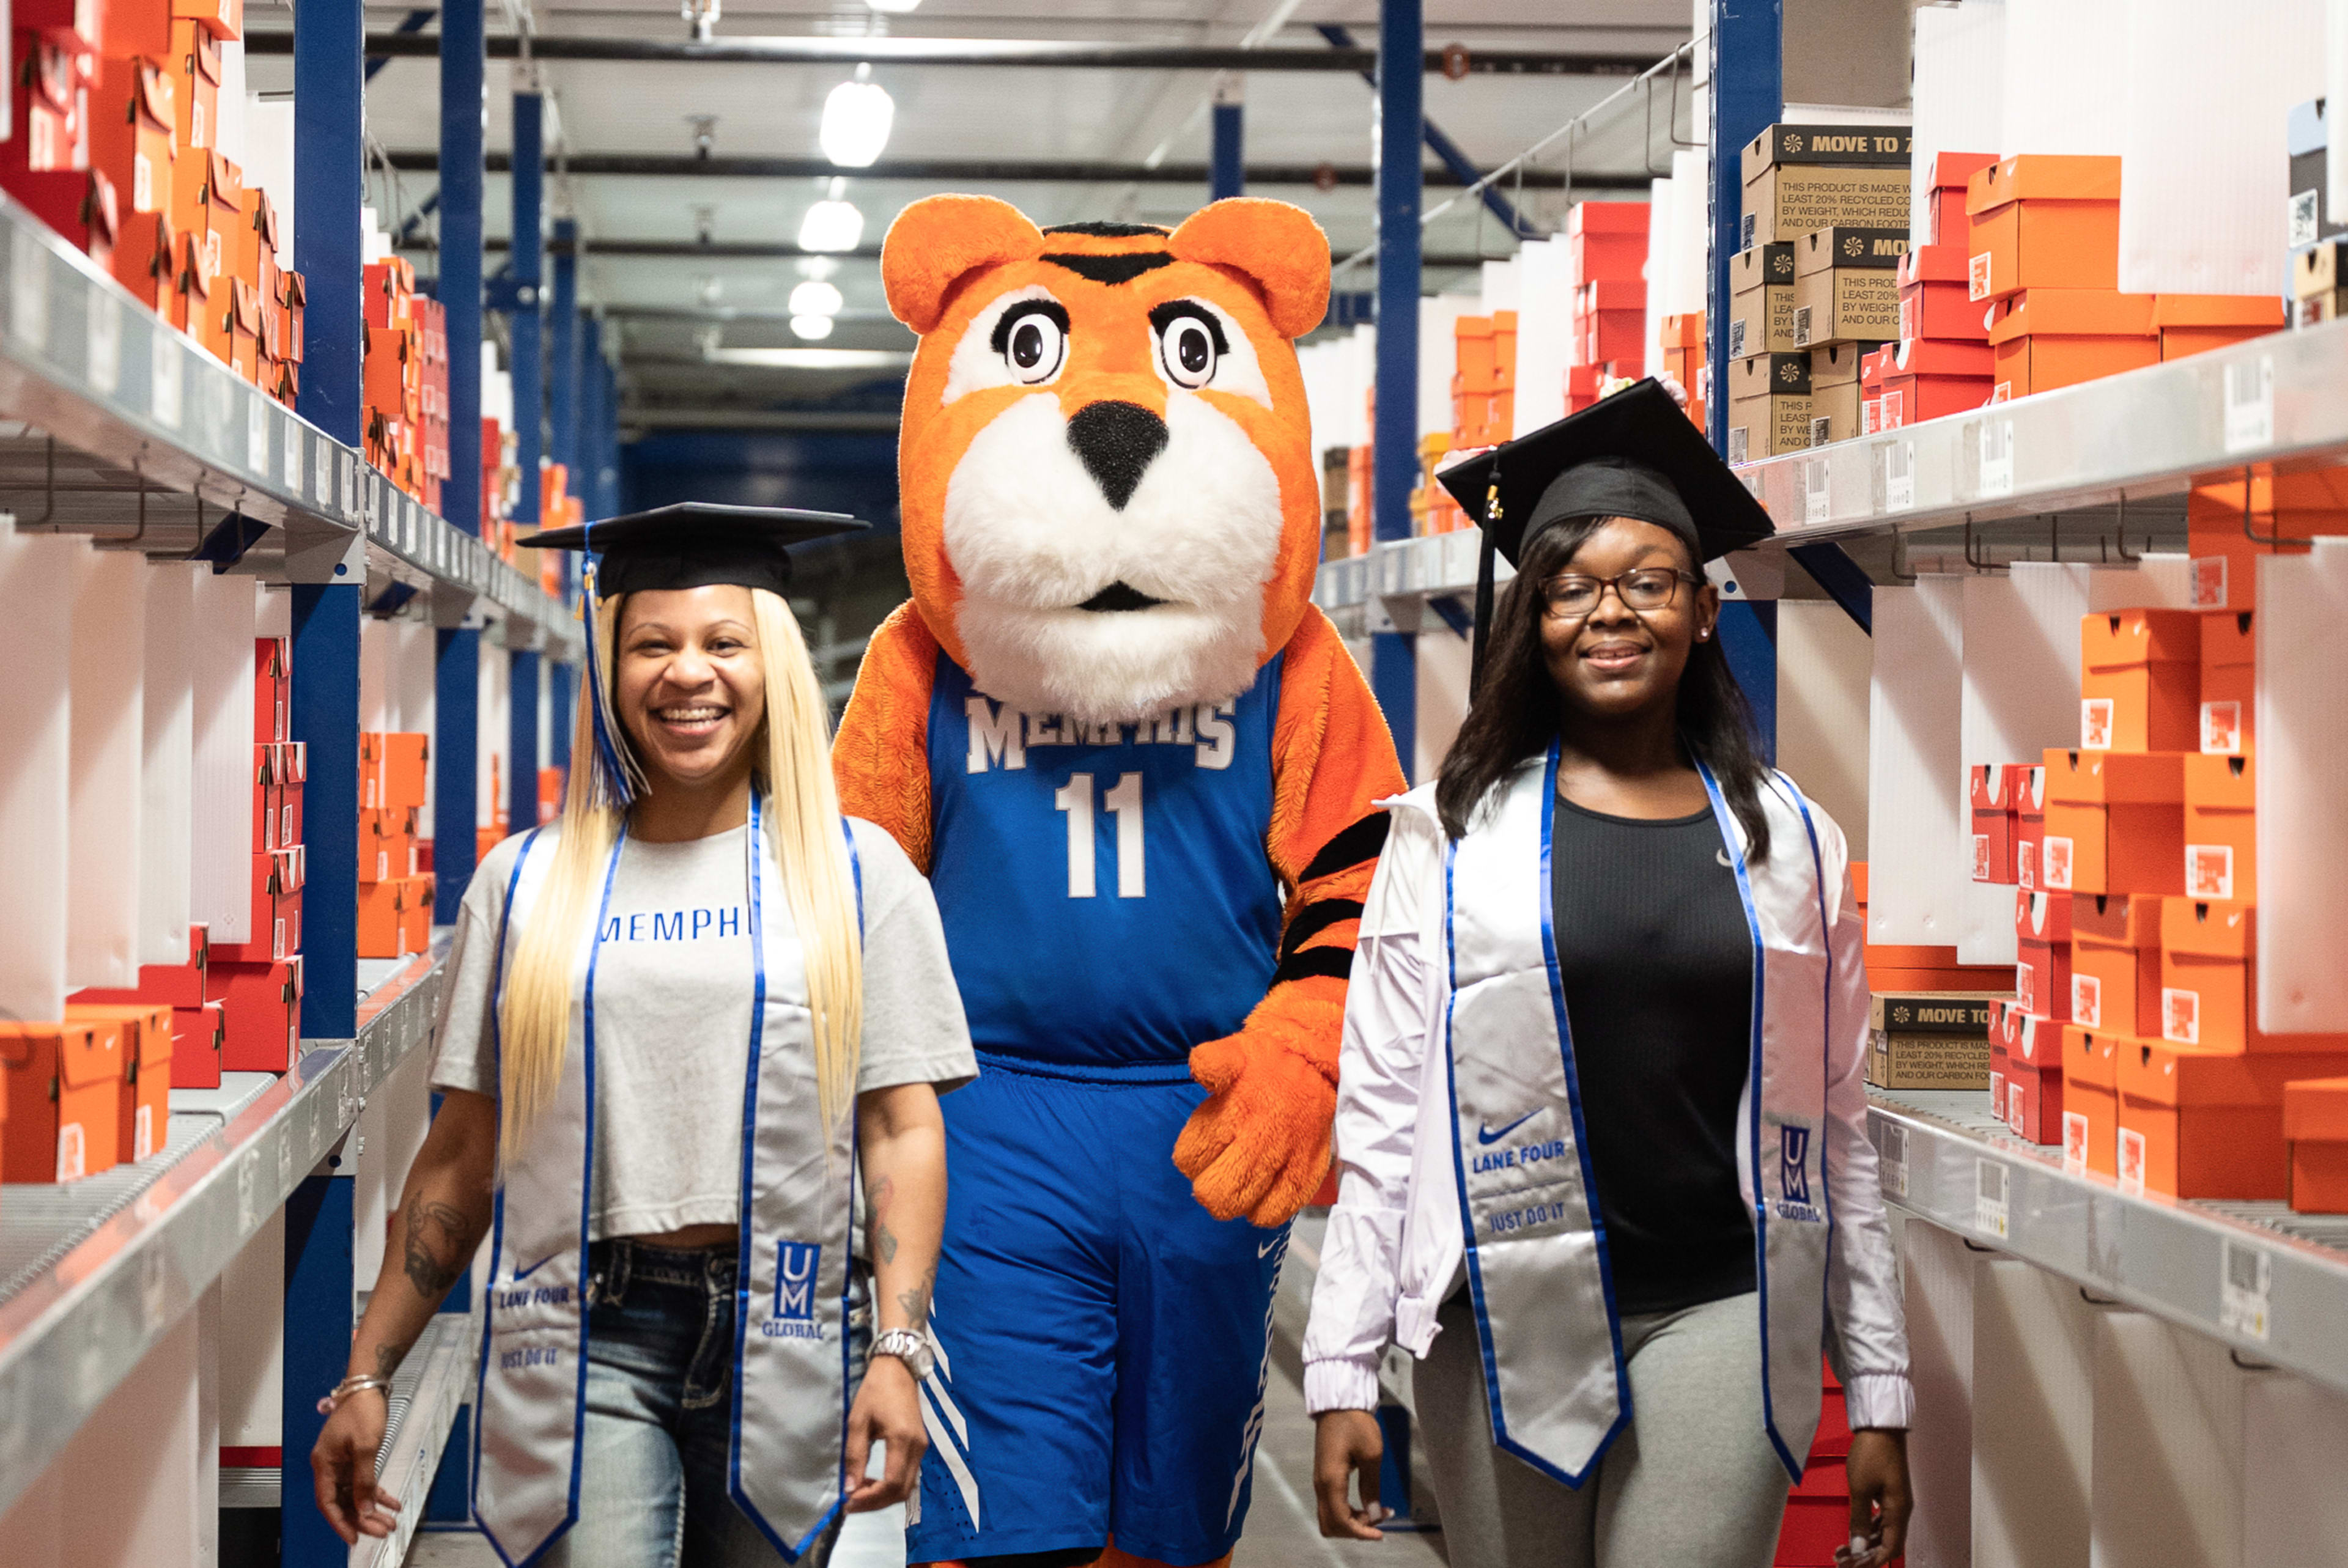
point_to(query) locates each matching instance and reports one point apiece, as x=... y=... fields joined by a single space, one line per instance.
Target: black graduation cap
x=694 y=544
x=1632 y=455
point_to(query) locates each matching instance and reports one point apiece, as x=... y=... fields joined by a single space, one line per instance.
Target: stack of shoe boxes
x=394 y=893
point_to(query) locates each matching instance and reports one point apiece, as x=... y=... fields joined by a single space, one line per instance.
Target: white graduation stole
x=790 y=1360
x=1536 y=1265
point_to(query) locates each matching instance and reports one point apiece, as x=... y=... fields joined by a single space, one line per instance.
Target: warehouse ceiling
x=684 y=257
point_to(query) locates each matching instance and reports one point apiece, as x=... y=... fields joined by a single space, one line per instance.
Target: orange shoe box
x=130 y=128
x=2041 y=973
x=65 y=1098
x=2034 y=1077
x=2114 y=822
x=2042 y=221
x=143 y=1106
x=2195 y=324
x=2316 y=1126
x=2091 y=1098
x=2116 y=963
x=2228 y=683
x=1993 y=808
x=1949 y=228
x=2222 y=844
x=2029 y=823
x=392 y=768
x=2140 y=680
x=2208 y=982
x=194 y=63
x=2290 y=507
x=2204 y=1122
x=1933 y=300
x=2043 y=338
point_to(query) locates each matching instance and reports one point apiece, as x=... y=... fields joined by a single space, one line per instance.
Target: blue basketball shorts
x=1101 y=1338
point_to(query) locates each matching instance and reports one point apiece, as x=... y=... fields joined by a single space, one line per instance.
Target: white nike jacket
x=1394 y=1248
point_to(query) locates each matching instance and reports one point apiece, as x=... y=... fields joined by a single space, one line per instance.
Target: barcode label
x=2243 y=1290
x=1801 y=326
x=1817 y=492
x=292 y=456
x=164 y=377
x=29 y=292
x=256 y=432
x=105 y=361
x=1739 y=443
x=1899 y=477
x=2302 y=208
x=1993 y=1184
x=2249 y=403
x=1894 y=1161
x=1737 y=340
x=1996 y=456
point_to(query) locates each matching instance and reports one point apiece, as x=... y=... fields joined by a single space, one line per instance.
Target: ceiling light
x=892 y=7
x=813 y=328
x=815 y=358
x=816 y=298
x=832 y=223
x=856 y=120
x=817 y=267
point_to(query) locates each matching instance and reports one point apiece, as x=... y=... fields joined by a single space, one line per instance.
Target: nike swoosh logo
x=1486 y=1135
x=1264 y=1249
x=541 y=1263
x=1722 y=856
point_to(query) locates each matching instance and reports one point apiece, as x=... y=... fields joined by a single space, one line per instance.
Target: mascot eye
x=1033 y=346
x=1188 y=350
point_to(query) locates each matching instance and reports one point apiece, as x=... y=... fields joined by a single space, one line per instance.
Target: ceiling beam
x=995 y=171
x=659 y=416
x=990 y=53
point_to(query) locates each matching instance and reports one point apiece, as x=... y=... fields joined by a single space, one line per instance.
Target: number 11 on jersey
x=1123 y=800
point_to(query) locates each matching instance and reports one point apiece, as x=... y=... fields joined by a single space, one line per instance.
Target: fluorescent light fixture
x=814 y=358
x=811 y=327
x=856 y=120
x=816 y=298
x=892 y=7
x=832 y=223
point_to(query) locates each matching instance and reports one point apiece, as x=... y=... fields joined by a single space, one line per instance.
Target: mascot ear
x=939 y=240
x=1277 y=245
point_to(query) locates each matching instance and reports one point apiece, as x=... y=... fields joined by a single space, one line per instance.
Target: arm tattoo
x=440 y=1243
x=387 y=1357
x=916 y=1301
x=884 y=1240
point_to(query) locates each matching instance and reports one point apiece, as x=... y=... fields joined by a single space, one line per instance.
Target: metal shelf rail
x=98 y=1271
x=123 y=429
x=2273 y=399
x=432 y=1382
x=2271 y=1284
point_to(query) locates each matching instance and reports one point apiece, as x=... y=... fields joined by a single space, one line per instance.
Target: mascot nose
x=1117 y=441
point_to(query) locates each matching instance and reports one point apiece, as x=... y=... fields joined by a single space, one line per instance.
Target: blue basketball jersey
x=1107 y=897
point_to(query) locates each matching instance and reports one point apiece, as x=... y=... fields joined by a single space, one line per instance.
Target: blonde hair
x=808 y=853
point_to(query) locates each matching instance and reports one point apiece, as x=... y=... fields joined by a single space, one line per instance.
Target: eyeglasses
x=1642 y=589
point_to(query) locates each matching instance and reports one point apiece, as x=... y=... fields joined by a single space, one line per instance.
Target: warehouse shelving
x=110 y=404
x=432 y=1382
x=98 y=1270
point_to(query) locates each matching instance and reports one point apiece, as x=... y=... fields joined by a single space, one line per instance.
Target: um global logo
x=796 y=1264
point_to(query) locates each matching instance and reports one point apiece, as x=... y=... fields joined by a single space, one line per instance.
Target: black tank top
x=1657 y=965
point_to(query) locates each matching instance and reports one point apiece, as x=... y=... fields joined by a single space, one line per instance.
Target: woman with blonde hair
x=677 y=1020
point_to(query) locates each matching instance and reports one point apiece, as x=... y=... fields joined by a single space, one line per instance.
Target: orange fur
x=878 y=755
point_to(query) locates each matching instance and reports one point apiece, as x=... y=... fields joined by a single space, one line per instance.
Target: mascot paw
x=1259 y=1145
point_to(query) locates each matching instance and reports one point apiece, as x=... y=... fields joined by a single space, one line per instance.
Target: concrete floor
x=1280 y=1531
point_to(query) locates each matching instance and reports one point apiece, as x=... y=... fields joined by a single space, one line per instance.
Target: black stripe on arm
x=1351 y=846
x=1335 y=962
x=1315 y=918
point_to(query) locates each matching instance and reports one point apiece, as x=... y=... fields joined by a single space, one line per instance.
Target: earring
x=1704 y=634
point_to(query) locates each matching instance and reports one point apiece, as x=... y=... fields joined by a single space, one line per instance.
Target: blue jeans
x=660 y=1365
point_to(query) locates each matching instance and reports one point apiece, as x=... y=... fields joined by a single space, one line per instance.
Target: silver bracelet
x=349 y=1386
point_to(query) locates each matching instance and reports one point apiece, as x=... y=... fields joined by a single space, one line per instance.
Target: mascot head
x=1110 y=502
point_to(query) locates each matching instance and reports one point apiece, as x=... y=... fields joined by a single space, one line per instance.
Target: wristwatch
x=909 y=1346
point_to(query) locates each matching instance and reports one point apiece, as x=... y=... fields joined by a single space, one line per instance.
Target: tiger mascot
x=1138 y=767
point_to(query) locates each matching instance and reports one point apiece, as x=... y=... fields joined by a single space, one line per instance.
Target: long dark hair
x=1516 y=714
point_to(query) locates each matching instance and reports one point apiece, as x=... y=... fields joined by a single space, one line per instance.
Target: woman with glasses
x=1601 y=1128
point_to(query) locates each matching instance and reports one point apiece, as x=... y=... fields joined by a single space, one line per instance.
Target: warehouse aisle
x=1281 y=1529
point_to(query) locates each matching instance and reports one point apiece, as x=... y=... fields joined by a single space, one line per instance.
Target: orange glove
x=1259 y=1145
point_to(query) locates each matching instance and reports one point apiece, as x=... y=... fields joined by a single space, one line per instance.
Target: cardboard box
x=2114 y=823
x=2221 y=843
x=2316 y=1126
x=2044 y=338
x=198 y=1035
x=1995 y=806
x=195 y=67
x=2029 y=823
x=261 y=1007
x=1835 y=391
x=2290 y=507
x=2090 y=1100
x=2309 y=137
x=2227 y=684
x=2140 y=681
x=1800 y=177
x=1761 y=300
x=1931 y=378
x=2034 y=1093
x=64 y=1087
x=2195 y=324
x=1928 y=1060
x=2316 y=272
x=273 y=677
x=1846 y=285
x=225 y=18
x=2044 y=220
x=2116 y=963
x=1594 y=255
x=2042 y=978
x=2206 y=1122
x=1951 y=172
x=1768 y=406
x=392 y=769
x=1935 y=298
x=132 y=111
x=143 y=1108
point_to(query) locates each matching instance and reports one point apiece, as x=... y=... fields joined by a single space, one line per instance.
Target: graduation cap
x=1632 y=455
x=696 y=544
x=692 y=543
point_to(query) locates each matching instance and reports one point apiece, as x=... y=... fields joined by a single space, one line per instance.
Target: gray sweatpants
x=1693 y=1479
